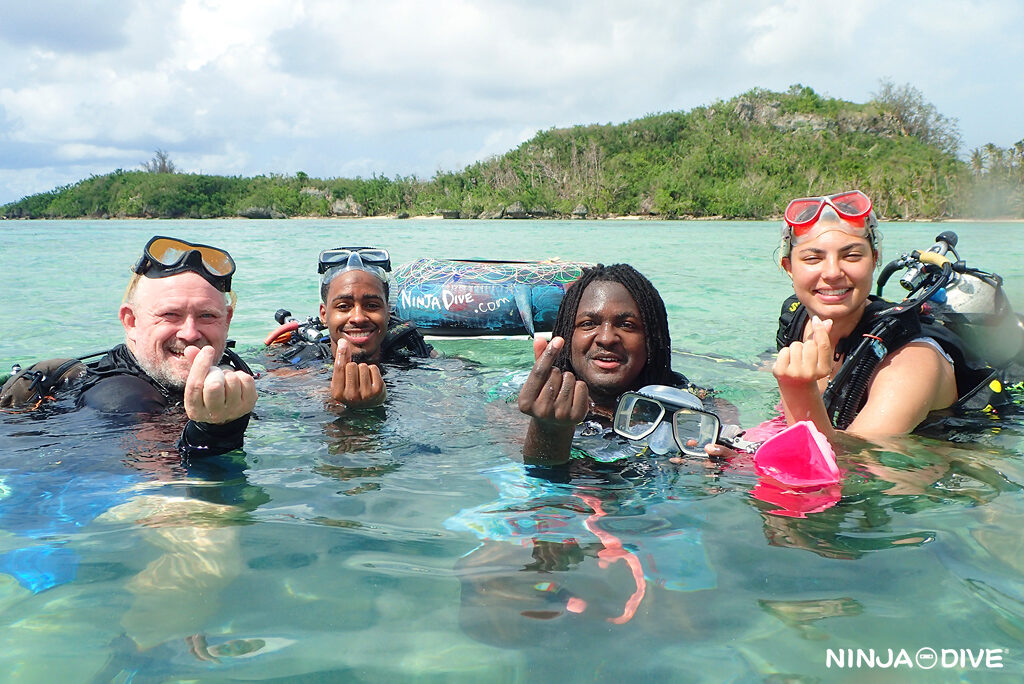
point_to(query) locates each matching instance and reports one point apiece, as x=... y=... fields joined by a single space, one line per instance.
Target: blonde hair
x=133 y=284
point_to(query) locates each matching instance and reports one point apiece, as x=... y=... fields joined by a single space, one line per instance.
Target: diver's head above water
x=179 y=296
x=830 y=250
x=616 y=331
x=354 y=301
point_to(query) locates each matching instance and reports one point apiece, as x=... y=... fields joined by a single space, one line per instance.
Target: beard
x=167 y=375
x=170 y=370
x=361 y=357
x=166 y=372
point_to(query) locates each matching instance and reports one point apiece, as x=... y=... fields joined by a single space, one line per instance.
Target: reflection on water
x=408 y=541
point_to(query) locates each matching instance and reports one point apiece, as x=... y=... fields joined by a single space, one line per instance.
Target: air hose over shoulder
x=892 y=327
x=845 y=393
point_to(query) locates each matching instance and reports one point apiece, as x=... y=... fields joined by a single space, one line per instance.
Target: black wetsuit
x=402 y=341
x=116 y=384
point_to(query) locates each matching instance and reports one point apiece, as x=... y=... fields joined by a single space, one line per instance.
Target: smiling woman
x=829 y=250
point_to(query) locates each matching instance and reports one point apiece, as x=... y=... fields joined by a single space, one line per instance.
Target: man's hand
x=213 y=395
x=356 y=385
x=552 y=396
x=803 y=363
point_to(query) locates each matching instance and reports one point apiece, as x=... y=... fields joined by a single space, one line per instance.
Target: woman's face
x=832 y=274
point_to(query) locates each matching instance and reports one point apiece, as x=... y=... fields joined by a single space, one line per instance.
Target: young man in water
x=354 y=307
x=610 y=336
x=175 y=314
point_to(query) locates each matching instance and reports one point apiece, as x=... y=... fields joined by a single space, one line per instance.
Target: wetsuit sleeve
x=123 y=394
x=208 y=439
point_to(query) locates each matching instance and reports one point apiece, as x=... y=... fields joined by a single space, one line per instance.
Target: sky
x=394 y=87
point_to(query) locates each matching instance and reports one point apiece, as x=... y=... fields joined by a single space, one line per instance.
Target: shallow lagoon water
x=407 y=543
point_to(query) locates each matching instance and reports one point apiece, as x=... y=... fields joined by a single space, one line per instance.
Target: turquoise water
x=408 y=544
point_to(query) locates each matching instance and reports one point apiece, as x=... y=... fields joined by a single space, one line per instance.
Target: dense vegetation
x=744 y=158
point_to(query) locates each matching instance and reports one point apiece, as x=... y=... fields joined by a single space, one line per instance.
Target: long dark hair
x=658 y=369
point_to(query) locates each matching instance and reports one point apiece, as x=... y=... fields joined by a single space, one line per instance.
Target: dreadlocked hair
x=658 y=369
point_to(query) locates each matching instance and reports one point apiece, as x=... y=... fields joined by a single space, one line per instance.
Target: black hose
x=883 y=278
x=855 y=374
x=859 y=368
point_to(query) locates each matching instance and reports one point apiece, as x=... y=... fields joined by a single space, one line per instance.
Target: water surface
x=408 y=543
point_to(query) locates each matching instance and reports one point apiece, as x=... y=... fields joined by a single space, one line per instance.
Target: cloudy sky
x=338 y=88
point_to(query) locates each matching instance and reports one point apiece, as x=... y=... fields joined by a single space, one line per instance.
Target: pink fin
x=799 y=456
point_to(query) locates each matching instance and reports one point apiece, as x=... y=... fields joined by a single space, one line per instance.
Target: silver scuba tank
x=977 y=309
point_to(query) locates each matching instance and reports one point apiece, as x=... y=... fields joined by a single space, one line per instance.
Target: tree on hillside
x=994 y=157
x=917 y=117
x=977 y=162
x=160 y=163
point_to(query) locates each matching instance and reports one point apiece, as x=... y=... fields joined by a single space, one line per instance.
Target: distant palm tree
x=994 y=156
x=977 y=162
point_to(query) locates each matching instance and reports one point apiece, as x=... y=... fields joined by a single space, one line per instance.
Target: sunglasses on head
x=165 y=256
x=638 y=415
x=803 y=213
x=371 y=256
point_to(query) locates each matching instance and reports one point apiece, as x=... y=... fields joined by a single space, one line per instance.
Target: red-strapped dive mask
x=803 y=213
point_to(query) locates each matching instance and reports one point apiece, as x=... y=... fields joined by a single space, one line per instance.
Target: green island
x=739 y=159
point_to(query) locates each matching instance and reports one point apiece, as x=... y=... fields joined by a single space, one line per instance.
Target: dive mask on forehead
x=334 y=262
x=164 y=256
x=850 y=211
x=803 y=213
x=668 y=417
x=342 y=256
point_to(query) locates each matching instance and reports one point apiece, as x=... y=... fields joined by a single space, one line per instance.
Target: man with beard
x=175 y=314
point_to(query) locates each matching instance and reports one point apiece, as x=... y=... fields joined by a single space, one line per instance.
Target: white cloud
x=79 y=151
x=398 y=87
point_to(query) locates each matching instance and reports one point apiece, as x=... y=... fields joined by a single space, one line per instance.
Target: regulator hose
x=845 y=393
x=861 y=364
x=281 y=330
x=890 y=268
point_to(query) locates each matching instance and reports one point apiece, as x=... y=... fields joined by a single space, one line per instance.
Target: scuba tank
x=305 y=341
x=969 y=302
x=962 y=307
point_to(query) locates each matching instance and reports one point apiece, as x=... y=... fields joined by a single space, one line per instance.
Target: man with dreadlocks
x=610 y=336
